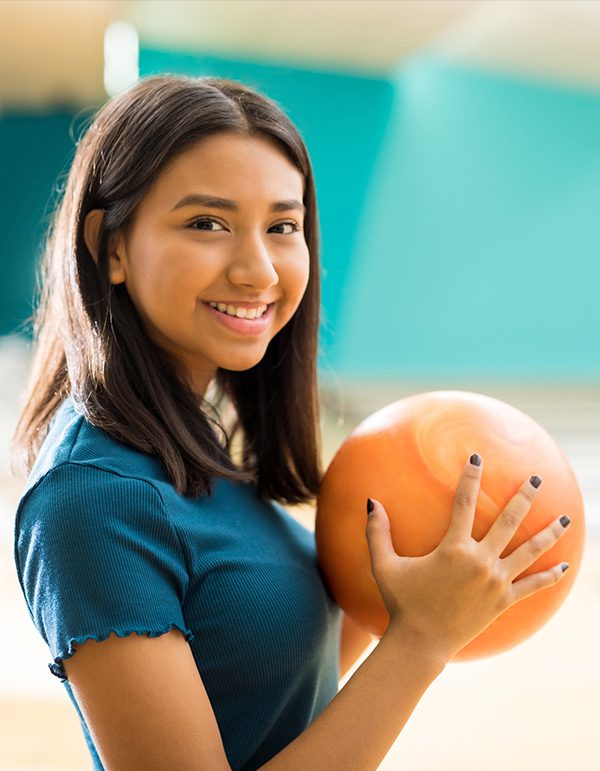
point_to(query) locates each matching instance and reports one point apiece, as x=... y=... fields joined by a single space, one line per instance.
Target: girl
x=182 y=604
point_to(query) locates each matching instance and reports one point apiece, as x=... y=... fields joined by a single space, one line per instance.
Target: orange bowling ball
x=410 y=455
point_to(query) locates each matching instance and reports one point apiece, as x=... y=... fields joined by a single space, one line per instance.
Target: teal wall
x=459 y=215
x=479 y=249
x=35 y=148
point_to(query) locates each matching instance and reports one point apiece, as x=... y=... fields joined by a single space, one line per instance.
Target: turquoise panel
x=479 y=246
x=34 y=149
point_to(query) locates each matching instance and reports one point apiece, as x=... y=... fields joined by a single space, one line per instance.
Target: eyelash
x=212 y=219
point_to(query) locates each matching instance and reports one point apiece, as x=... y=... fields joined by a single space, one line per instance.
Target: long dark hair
x=89 y=340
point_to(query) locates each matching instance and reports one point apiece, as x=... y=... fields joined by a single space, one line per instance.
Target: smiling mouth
x=239 y=312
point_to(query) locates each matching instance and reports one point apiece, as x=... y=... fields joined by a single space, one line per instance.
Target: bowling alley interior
x=455 y=147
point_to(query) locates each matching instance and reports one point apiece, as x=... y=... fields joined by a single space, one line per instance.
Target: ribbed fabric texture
x=104 y=543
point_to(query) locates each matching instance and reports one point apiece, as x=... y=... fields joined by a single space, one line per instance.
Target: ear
x=91 y=236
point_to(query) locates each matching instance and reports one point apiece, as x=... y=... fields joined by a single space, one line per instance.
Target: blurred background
x=456 y=150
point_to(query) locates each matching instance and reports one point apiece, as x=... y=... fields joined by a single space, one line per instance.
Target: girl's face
x=243 y=252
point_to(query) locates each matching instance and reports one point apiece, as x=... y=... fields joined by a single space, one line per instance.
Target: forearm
x=354 y=642
x=356 y=730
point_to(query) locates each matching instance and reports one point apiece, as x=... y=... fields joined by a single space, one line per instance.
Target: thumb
x=379 y=536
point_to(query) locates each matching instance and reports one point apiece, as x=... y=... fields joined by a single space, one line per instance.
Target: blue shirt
x=104 y=543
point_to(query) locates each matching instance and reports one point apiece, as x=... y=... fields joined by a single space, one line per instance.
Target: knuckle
x=510 y=518
x=496 y=580
x=527 y=492
x=464 y=498
x=471 y=472
x=481 y=570
x=540 y=581
x=454 y=551
x=537 y=546
x=447 y=552
x=535 y=583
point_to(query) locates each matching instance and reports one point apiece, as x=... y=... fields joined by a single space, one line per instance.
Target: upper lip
x=239 y=303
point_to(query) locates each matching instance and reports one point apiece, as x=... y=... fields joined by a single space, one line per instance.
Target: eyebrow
x=213 y=202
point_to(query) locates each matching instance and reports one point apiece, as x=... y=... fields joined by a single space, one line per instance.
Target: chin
x=240 y=366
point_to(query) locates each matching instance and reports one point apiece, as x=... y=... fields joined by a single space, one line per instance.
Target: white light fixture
x=121 y=57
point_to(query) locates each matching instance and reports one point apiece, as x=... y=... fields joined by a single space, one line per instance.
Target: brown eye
x=209 y=220
x=204 y=220
x=293 y=225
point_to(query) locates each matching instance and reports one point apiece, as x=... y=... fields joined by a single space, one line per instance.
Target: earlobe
x=91 y=235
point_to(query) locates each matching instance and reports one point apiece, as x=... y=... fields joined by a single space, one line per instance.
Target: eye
x=204 y=220
x=294 y=225
x=295 y=228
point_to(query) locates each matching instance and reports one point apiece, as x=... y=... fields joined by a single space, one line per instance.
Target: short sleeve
x=97 y=553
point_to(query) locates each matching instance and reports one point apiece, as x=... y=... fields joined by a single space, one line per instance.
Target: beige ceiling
x=52 y=51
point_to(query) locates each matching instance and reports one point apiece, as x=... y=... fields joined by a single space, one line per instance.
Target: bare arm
x=146 y=706
x=354 y=642
x=356 y=730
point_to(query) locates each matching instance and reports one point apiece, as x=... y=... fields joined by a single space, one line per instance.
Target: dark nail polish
x=370 y=505
x=564 y=566
x=535 y=481
x=475 y=459
x=564 y=520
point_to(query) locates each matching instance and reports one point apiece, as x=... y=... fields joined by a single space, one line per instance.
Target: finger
x=527 y=553
x=465 y=501
x=379 y=537
x=508 y=521
x=532 y=584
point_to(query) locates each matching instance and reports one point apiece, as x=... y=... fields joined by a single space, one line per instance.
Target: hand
x=450 y=595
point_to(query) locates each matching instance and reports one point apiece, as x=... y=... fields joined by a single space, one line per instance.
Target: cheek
x=296 y=275
x=158 y=298
x=170 y=284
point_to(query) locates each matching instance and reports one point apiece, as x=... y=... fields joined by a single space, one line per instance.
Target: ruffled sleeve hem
x=57 y=669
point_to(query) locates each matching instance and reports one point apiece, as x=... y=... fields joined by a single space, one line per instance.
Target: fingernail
x=564 y=566
x=564 y=520
x=370 y=505
x=475 y=459
x=535 y=481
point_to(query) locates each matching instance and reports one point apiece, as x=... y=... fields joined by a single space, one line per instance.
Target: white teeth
x=241 y=313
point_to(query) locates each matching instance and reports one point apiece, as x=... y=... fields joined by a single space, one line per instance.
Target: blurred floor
x=532 y=708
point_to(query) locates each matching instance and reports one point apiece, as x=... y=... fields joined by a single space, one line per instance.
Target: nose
x=251 y=265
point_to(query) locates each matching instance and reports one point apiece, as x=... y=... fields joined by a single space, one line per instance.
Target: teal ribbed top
x=104 y=543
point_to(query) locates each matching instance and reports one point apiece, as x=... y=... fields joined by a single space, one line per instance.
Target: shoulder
x=73 y=447
x=83 y=479
x=72 y=485
x=79 y=522
x=75 y=512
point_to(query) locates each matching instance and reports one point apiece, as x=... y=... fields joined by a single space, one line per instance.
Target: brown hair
x=88 y=338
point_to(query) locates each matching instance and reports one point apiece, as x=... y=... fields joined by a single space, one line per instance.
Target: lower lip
x=245 y=326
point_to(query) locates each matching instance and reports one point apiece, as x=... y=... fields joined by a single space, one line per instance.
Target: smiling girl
x=183 y=606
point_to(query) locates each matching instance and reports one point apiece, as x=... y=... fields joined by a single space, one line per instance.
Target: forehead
x=228 y=165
